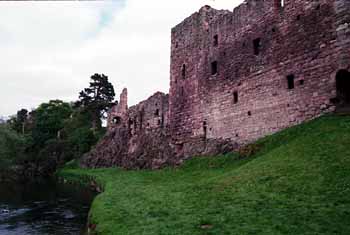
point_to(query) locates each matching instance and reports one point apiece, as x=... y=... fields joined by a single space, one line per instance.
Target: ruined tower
x=118 y=113
x=265 y=66
x=236 y=76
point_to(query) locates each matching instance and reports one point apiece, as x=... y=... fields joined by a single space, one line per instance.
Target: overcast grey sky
x=50 y=49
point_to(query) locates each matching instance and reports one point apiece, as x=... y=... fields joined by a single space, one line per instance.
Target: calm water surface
x=43 y=209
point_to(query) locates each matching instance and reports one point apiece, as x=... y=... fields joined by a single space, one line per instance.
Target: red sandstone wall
x=302 y=38
x=307 y=39
x=147 y=115
x=137 y=138
x=118 y=113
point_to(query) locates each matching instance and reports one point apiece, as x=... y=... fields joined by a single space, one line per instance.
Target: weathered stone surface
x=110 y=151
x=147 y=150
x=208 y=147
x=151 y=150
x=236 y=77
x=230 y=70
x=119 y=112
x=137 y=138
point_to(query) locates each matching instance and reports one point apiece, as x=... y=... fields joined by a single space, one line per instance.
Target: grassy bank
x=298 y=183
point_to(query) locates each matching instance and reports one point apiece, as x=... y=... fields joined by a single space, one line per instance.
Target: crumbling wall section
x=256 y=70
x=118 y=113
x=137 y=137
x=152 y=113
x=236 y=76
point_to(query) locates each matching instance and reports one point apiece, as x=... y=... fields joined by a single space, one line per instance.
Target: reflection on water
x=43 y=209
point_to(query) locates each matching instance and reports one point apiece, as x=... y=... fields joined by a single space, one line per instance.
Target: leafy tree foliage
x=22 y=115
x=79 y=134
x=97 y=98
x=12 y=146
x=56 y=132
x=18 y=123
x=49 y=120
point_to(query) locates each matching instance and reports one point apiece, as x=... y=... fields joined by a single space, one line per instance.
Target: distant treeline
x=36 y=142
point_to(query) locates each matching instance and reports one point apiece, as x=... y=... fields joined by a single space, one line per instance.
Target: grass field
x=298 y=183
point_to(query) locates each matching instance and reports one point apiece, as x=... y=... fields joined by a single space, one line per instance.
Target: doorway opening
x=343 y=87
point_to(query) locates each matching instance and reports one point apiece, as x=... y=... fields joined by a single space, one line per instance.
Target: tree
x=97 y=98
x=78 y=133
x=18 y=122
x=22 y=116
x=49 y=121
x=12 y=146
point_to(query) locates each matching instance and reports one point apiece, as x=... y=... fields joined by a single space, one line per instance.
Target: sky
x=49 y=50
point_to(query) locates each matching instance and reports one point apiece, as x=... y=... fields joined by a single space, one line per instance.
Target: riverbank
x=28 y=172
x=297 y=183
x=43 y=207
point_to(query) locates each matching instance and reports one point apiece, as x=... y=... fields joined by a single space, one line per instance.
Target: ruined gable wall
x=137 y=137
x=118 y=113
x=149 y=114
x=299 y=39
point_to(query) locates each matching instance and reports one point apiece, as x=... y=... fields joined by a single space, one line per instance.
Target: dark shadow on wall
x=343 y=87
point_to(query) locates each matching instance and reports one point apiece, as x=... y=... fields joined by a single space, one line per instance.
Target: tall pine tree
x=97 y=99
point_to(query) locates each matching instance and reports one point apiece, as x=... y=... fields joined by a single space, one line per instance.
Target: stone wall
x=235 y=77
x=137 y=137
x=263 y=67
x=118 y=114
x=149 y=114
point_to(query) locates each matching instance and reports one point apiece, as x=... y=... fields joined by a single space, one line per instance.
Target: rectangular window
x=205 y=129
x=214 y=68
x=235 y=97
x=257 y=46
x=183 y=71
x=290 y=80
x=216 y=41
x=156 y=113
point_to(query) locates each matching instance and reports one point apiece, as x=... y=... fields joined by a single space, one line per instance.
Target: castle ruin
x=236 y=77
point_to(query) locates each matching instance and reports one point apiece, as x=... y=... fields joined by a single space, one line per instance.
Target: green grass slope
x=298 y=183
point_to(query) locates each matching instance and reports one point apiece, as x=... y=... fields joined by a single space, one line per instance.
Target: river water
x=45 y=208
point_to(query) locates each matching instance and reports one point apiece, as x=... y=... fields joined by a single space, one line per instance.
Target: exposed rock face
x=151 y=150
x=147 y=150
x=137 y=138
x=207 y=147
x=111 y=151
x=236 y=77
